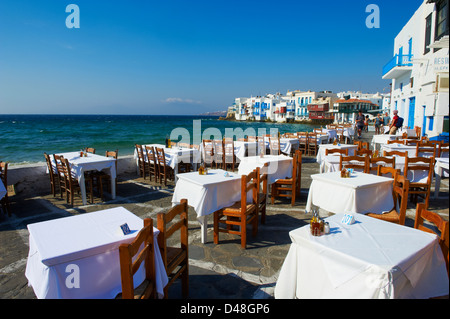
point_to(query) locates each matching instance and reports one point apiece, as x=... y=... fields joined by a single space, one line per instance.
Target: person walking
x=386 y=121
x=393 y=126
x=360 y=122
x=378 y=124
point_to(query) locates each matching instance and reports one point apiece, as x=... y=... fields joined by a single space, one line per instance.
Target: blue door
x=412 y=110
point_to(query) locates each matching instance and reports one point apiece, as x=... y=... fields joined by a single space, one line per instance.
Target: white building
x=419 y=69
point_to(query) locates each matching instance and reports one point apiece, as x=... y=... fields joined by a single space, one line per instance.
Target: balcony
x=398 y=66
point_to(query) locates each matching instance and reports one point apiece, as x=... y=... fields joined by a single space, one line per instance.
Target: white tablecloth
x=381 y=139
x=371 y=259
x=2 y=190
x=441 y=170
x=77 y=257
x=241 y=148
x=321 y=153
x=80 y=165
x=330 y=163
x=175 y=155
x=207 y=193
x=280 y=167
x=362 y=193
x=400 y=148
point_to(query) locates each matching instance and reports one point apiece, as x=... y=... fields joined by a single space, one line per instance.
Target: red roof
x=353 y=101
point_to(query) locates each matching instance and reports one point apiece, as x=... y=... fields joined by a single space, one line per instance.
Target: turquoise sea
x=25 y=138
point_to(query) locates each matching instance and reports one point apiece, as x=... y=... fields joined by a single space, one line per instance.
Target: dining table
x=360 y=194
x=321 y=152
x=207 y=193
x=380 y=139
x=77 y=257
x=441 y=170
x=174 y=155
x=279 y=166
x=369 y=259
x=410 y=149
x=89 y=162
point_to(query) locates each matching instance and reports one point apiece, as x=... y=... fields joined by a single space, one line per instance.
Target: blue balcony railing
x=398 y=60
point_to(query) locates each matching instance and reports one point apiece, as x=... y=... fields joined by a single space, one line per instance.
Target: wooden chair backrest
x=208 y=147
x=375 y=162
x=420 y=164
x=400 y=193
x=168 y=227
x=228 y=147
x=90 y=150
x=343 y=151
x=151 y=154
x=386 y=170
x=443 y=226
x=249 y=183
x=49 y=165
x=262 y=178
x=364 y=152
x=274 y=145
x=59 y=165
x=297 y=170
x=140 y=152
x=128 y=266
x=426 y=149
x=395 y=153
x=396 y=142
x=362 y=162
x=161 y=156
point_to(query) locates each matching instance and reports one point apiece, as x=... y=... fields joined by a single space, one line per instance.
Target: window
x=430 y=123
x=441 y=19
x=428 y=33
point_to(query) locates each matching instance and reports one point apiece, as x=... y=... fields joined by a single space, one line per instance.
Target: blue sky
x=187 y=57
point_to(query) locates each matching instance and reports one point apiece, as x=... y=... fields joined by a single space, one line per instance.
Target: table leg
x=437 y=179
x=204 y=228
x=82 y=188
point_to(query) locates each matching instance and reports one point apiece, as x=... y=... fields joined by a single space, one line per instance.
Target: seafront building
x=419 y=70
x=307 y=106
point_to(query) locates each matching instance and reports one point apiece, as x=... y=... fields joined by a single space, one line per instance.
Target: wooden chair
x=340 y=134
x=359 y=144
x=54 y=181
x=338 y=151
x=218 y=153
x=358 y=163
x=376 y=162
x=418 y=130
x=443 y=150
x=364 y=152
x=303 y=142
x=130 y=265
x=151 y=162
x=102 y=176
x=289 y=187
x=176 y=259
x=229 y=156
x=141 y=160
x=400 y=194
x=262 y=186
x=396 y=142
x=71 y=183
x=411 y=142
x=241 y=213
x=164 y=170
x=414 y=165
x=312 y=144
x=4 y=177
x=438 y=222
x=395 y=153
x=208 y=152
x=261 y=145
x=387 y=171
x=274 y=145
x=59 y=173
x=90 y=150
x=426 y=149
x=185 y=167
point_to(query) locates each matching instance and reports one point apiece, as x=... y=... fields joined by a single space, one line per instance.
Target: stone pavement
x=223 y=271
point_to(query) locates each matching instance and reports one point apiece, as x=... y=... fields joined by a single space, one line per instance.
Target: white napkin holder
x=348 y=219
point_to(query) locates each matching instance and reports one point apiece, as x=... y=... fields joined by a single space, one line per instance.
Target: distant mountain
x=216 y=113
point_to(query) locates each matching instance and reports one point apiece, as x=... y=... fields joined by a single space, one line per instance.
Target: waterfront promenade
x=216 y=271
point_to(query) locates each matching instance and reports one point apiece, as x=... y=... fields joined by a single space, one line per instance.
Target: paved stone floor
x=216 y=271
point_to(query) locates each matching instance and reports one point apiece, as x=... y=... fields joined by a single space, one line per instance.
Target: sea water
x=25 y=138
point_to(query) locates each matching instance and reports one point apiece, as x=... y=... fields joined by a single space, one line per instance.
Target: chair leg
x=244 y=232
